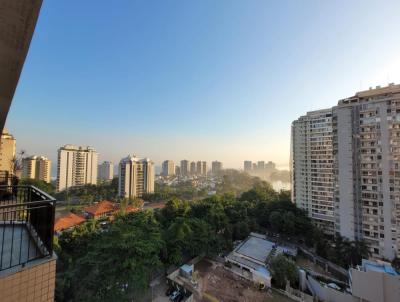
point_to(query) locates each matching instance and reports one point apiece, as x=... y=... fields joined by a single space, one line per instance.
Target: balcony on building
x=26 y=240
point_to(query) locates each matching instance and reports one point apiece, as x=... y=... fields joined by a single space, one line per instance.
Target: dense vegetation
x=117 y=263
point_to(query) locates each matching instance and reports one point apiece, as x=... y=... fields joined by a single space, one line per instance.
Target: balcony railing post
x=26 y=219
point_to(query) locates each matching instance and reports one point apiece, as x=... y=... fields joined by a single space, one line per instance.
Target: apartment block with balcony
x=27 y=261
x=77 y=166
x=347 y=167
x=168 y=168
x=136 y=177
x=106 y=171
x=7 y=151
x=312 y=167
x=216 y=167
x=368 y=157
x=36 y=167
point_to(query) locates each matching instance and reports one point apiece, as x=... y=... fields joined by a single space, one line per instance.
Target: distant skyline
x=198 y=80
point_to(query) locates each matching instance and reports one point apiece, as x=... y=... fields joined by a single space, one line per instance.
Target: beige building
x=76 y=166
x=106 y=171
x=36 y=167
x=7 y=151
x=136 y=177
x=168 y=168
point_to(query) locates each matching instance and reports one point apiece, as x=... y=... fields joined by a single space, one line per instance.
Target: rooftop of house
x=67 y=221
x=100 y=208
x=255 y=247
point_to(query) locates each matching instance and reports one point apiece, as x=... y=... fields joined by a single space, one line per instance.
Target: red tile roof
x=67 y=221
x=157 y=205
x=101 y=208
x=131 y=209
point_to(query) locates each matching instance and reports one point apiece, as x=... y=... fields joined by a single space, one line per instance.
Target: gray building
x=216 y=166
x=168 y=168
x=185 y=167
x=312 y=167
x=345 y=166
x=247 y=165
x=106 y=171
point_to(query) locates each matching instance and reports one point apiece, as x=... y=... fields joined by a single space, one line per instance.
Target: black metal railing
x=8 y=179
x=26 y=225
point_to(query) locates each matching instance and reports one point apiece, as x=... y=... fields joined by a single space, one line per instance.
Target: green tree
x=283 y=269
x=119 y=266
x=40 y=184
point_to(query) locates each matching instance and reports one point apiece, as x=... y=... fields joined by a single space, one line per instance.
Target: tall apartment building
x=76 y=166
x=312 y=167
x=201 y=168
x=216 y=166
x=136 y=177
x=261 y=165
x=36 y=167
x=192 y=168
x=168 y=168
x=270 y=166
x=105 y=171
x=366 y=168
x=247 y=165
x=7 y=151
x=185 y=167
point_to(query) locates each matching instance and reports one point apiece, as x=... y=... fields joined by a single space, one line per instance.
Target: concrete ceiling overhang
x=17 y=22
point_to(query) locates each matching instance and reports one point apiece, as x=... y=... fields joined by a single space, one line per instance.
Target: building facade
x=76 y=166
x=247 y=165
x=193 y=168
x=216 y=167
x=185 y=167
x=7 y=152
x=106 y=171
x=136 y=177
x=168 y=168
x=367 y=148
x=312 y=167
x=36 y=167
x=350 y=168
x=201 y=168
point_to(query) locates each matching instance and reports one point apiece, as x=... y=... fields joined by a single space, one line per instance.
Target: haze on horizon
x=198 y=80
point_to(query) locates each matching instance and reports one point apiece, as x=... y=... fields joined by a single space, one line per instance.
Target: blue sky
x=201 y=80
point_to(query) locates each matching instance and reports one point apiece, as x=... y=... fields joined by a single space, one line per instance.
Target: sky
x=198 y=80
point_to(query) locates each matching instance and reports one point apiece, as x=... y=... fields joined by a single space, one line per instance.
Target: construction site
x=211 y=281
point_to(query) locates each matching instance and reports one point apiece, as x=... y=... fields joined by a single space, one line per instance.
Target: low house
x=250 y=258
x=101 y=209
x=67 y=221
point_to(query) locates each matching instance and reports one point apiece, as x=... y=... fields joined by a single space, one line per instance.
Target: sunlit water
x=280 y=185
